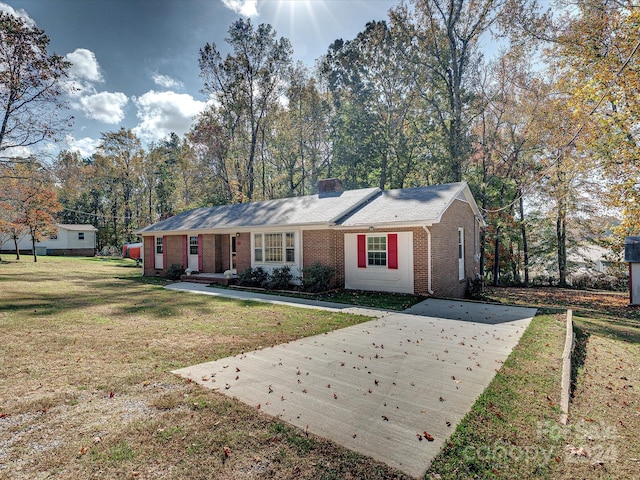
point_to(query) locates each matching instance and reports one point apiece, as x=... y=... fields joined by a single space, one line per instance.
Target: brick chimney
x=330 y=185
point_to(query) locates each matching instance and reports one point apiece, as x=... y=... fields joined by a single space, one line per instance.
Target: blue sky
x=135 y=62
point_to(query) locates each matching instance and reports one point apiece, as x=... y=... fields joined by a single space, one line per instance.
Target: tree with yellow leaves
x=598 y=55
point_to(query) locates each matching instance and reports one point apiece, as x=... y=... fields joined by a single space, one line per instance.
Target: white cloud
x=161 y=113
x=16 y=152
x=20 y=13
x=85 y=146
x=84 y=65
x=106 y=107
x=166 y=81
x=248 y=8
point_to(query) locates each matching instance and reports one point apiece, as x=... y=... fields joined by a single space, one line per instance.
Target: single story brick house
x=67 y=239
x=421 y=240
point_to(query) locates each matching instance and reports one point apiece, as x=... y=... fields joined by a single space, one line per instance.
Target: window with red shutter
x=392 y=247
x=362 y=251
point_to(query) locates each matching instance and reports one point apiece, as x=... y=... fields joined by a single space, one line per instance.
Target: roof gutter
x=429 y=274
x=387 y=226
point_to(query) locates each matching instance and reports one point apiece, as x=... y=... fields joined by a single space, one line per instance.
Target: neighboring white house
x=76 y=240
x=590 y=258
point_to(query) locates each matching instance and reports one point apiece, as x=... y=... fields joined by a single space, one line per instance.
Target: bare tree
x=31 y=88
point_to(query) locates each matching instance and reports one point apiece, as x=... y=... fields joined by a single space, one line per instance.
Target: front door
x=233 y=253
x=159 y=257
x=193 y=253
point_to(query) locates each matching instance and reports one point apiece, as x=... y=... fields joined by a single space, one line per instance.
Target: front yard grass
x=87 y=347
x=601 y=438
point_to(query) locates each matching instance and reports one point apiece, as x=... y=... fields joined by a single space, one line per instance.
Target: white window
x=461 y=253
x=193 y=245
x=159 y=245
x=377 y=251
x=257 y=247
x=80 y=235
x=274 y=247
x=290 y=247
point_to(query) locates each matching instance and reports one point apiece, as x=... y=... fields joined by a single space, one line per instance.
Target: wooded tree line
x=546 y=132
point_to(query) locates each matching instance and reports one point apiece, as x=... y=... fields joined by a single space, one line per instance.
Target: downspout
x=429 y=289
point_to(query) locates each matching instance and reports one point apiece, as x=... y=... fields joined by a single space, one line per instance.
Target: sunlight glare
x=303 y=17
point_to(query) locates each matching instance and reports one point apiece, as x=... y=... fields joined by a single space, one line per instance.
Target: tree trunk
x=250 y=165
x=496 y=260
x=525 y=245
x=383 y=170
x=33 y=246
x=15 y=242
x=561 y=235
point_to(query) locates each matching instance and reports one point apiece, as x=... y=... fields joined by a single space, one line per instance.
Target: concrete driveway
x=376 y=387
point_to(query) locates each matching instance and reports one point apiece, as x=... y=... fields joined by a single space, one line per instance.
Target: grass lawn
x=86 y=347
x=513 y=430
x=85 y=390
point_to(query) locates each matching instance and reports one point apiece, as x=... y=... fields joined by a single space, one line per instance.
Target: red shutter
x=150 y=256
x=164 y=252
x=200 y=262
x=185 y=251
x=392 y=250
x=362 y=251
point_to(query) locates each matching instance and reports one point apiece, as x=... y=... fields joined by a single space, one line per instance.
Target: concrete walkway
x=375 y=387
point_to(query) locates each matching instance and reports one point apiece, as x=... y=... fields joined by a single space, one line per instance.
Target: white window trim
x=263 y=262
x=191 y=237
x=386 y=250
x=156 y=245
x=461 y=275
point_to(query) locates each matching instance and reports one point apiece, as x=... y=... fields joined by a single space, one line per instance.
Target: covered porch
x=211 y=254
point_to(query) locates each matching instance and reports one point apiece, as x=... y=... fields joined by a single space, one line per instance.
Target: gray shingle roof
x=419 y=205
x=308 y=210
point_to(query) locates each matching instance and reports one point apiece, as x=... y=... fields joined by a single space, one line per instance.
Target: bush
x=317 y=278
x=599 y=281
x=174 y=272
x=109 y=251
x=544 y=281
x=475 y=289
x=253 y=277
x=280 y=278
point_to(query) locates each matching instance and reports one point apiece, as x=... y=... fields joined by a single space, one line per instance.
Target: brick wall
x=174 y=248
x=217 y=254
x=444 y=239
x=209 y=253
x=149 y=251
x=243 y=251
x=320 y=246
x=327 y=248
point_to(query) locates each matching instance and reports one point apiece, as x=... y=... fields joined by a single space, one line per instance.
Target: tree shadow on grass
x=617 y=328
x=578 y=356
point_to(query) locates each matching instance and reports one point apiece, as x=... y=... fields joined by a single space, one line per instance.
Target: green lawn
x=87 y=346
